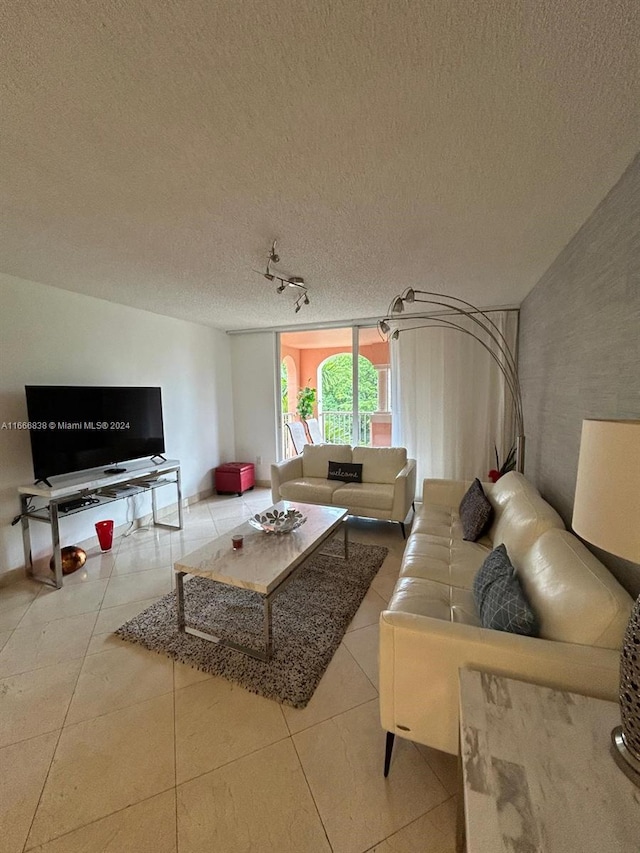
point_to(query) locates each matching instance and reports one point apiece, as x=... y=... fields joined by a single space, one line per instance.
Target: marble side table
x=537 y=771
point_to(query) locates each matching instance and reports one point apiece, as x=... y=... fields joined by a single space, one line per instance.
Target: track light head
x=398 y=305
x=285 y=281
x=384 y=327
x=410 y=295
x=395 y=334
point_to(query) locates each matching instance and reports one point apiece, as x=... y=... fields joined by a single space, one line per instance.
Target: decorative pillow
x=476 y=513
x=348 y=472
x=496 y=565
x=500 y=599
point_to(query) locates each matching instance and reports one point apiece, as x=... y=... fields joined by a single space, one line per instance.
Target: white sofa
x=431 y=629
x=387 y=489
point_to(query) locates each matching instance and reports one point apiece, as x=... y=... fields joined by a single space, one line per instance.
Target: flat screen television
x=73 y=428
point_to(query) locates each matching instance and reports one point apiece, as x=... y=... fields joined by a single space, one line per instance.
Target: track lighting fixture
x=294 y=281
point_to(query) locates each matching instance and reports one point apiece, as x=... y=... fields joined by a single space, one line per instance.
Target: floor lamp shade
x=607 y=513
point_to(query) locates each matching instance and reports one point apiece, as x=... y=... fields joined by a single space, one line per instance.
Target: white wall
x=253 y=359
x=53 y=337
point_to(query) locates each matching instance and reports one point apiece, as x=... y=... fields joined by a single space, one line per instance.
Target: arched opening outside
x=336 y=403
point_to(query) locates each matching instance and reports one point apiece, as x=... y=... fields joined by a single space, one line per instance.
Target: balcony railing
x=336 y=428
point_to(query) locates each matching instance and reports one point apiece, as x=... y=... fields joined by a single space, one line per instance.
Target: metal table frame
x=50 y=514
x=267 y=600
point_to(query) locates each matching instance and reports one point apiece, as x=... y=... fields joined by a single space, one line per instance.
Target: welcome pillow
x=348 y=472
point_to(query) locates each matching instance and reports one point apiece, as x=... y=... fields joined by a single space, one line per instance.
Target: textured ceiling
x=152 y=150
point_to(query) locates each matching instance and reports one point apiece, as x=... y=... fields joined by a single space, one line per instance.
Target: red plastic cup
x=104 y=529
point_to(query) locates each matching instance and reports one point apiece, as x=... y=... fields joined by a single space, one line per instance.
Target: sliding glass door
x=326 y=395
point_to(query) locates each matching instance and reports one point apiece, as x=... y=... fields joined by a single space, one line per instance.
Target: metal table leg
x=26 y=536
x=154 y=508
x=55 y=541
x=346 y=539
x=212 y=638
x=268 y=633
x=180 y=597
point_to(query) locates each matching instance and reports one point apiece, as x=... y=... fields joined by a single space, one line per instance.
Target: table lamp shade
x=606 y=513
x=606 y=510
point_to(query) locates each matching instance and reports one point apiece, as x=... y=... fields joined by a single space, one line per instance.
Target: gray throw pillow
x=476 y=513
x=500 y=599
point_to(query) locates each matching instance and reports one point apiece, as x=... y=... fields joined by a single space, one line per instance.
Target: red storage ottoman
x=235 y=477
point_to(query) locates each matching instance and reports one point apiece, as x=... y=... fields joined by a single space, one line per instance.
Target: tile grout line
x=175 y=754
x=375 y=687
x=232 y=761
x=333 y=716
x=412 y=821
x=98 y=819
x=324 y=828
x=55 y=749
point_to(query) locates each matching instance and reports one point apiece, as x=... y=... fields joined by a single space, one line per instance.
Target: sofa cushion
x=440 y=559
x=441 y=521
x=500 y=599
x=576 y=598
x=522 y=520
x=315 y=490
x=316 y=457
x=364 y=495
x=347 y=472
x=475 y=512
x=510 y=484
x=435 y=600
x=380 y=464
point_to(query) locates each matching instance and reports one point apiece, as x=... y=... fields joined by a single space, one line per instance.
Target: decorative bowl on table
x=277 y=521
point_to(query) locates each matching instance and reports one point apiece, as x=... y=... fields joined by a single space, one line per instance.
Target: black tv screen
x=73 y=428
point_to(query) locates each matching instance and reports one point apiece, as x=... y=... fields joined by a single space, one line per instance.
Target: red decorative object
x=236 y=477
x=104 y=529
x=494 y=475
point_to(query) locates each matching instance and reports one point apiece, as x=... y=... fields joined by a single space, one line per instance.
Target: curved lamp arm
x=473 y=313
x=506 y=364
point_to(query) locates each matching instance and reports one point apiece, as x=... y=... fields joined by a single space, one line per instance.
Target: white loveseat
x=387 y=489
x=431 y=629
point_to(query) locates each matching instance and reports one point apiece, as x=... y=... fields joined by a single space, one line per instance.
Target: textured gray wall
x=580 y=348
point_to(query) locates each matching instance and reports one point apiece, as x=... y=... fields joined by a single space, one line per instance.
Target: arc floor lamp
x=482 y=329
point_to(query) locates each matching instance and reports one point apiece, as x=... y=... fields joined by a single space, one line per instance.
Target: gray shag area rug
x=309 y=617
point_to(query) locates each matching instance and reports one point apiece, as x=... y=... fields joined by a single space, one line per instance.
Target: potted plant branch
x=306 y=401
x=508 y=465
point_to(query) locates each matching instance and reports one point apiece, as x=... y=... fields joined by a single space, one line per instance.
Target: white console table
x=140 y=476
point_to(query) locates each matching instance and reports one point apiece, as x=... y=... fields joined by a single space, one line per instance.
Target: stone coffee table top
x=265 y=559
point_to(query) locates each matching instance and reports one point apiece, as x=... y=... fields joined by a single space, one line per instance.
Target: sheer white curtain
x=450 y=401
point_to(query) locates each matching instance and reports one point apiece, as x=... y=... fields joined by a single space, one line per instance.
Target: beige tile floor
x=107 y=746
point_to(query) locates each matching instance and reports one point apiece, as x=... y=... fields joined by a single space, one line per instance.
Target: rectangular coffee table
x=265 y=563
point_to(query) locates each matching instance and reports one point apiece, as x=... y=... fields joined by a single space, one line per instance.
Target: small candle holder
x=237 y=542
